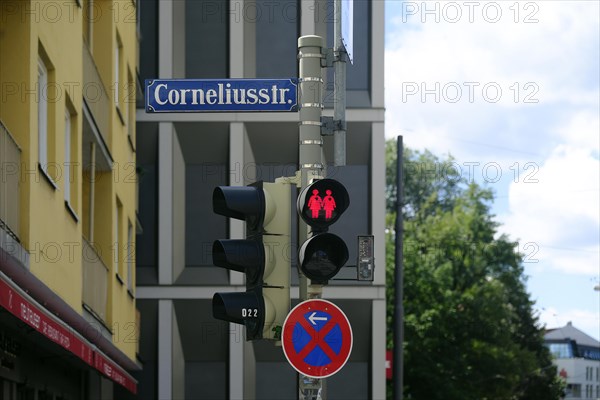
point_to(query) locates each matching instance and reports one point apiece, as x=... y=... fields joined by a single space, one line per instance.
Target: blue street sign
x=221 y=95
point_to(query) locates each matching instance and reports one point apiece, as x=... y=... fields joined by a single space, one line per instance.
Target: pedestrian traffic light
x=263 y=256
x=321 y=204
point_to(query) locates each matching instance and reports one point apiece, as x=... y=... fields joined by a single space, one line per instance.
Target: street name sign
x=317 y=338
x=221 y=95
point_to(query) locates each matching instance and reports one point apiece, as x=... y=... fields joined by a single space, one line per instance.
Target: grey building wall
x=186 y=353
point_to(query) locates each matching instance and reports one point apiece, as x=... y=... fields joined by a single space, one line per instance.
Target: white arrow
x=312 y=318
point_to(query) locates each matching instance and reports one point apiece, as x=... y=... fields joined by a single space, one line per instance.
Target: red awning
x=26 y=309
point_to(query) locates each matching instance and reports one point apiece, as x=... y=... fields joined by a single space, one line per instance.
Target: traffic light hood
x=246 y=203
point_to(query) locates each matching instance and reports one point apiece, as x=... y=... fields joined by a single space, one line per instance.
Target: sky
x=511 y=89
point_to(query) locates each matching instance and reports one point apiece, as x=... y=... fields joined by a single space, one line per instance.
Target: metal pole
x=398 y=360
x=339 y=89
x=311 y=164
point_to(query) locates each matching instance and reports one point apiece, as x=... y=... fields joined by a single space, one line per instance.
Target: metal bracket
x=331 y=55
x=329 y=125
x=295 y=180
x=328 y=58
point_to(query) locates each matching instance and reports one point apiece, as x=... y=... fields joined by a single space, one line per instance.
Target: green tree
x=469 y=329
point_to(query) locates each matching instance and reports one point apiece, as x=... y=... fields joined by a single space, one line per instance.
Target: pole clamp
x=309 y=55
x=311 y=142
x=311 y=105
x=312 y=166
x=310 y=79
x=312 y=123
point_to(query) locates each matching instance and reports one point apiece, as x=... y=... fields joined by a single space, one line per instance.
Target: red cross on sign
x=317 y=338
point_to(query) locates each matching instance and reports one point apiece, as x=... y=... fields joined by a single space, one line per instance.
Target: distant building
x=577 y=357
x=68 y=319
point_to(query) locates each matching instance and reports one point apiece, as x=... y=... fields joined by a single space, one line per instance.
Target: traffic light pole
x=311 y=105
x=310 y=53
x=339 y=89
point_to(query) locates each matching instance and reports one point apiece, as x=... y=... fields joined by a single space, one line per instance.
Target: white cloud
x=557 y=209
x=442 y=78
x=582 y=130
x=552 y=140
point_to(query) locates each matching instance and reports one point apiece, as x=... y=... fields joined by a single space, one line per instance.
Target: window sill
x=71 y=211
x=130 y=293
x=47 y=177
x=120 y=114
x=119 y=279
x=130 y=140
x=97 y=317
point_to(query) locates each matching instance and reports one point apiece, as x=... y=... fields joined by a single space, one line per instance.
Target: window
x=573 y=390
x=117 y=245
x=275 y=57
x=130 y=256
x=42 y=115
x=70 y=168
x=148 y=21
x=206 y=39
x=87 y=7
x=48 y=93
x=561 y=350
x=67 y=163
x=117 y=83
x=130 y=107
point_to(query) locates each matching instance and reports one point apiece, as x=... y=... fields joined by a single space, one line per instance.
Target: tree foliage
x=469 y=327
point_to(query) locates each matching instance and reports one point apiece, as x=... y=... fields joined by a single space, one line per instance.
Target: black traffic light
x=262 y=256
x=321 y=204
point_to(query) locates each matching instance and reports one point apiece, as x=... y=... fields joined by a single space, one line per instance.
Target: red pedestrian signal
x=321 y=203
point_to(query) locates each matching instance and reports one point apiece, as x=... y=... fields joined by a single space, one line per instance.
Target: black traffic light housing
x=321 y=204
x=265 y=207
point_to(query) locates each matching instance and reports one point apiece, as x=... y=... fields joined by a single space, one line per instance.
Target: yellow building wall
x=48 y=230
x=16 y=90
x=122 y=307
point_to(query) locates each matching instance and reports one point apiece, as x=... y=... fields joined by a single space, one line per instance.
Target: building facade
x=186 y=353
x=577 y=357
x=68 y=211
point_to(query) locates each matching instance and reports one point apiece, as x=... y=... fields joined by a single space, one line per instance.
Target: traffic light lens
x=240 y=308
x=321 y=264
x=242 y=255
x=246 y=203
x=321 y=207
x=321 y=203
x=322 y=256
